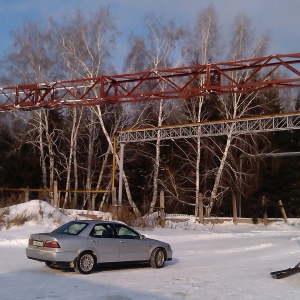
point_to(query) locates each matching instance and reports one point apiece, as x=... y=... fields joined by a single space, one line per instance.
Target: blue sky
x=280 y=19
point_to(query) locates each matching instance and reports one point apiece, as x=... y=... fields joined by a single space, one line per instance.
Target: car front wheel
x=85 y=263
x=157 y=259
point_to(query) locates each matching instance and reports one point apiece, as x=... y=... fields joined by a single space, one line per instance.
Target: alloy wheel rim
x=160 y=258
x=87 y=262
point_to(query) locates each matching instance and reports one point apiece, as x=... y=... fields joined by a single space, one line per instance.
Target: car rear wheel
x=157 y=259
x=85 y=263
x=50 y=265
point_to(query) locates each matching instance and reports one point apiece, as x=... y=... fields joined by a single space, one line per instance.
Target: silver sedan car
x=84 y=244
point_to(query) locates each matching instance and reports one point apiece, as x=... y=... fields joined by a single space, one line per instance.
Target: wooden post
x=93 y=203
x=282 y=211
x=265 y=217
x=114 y=203
x=234 y=208
x=201 y=218
x=55 y=194
x=74 y=201
x=59 y=198
x=27 y=195
x=240 y=186
x=162 y=209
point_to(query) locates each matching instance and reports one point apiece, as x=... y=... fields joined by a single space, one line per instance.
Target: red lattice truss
x=243 y=76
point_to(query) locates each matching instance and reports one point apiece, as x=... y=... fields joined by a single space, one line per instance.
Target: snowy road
x=226 y=262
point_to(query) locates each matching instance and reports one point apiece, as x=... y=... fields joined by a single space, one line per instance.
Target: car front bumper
x=169 y=254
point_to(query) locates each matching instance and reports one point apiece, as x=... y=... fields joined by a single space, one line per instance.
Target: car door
x=102 y=240
x=132 y=247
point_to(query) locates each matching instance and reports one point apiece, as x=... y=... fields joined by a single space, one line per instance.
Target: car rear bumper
x=50 y=256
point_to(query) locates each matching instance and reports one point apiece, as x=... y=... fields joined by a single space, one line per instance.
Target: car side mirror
x=142 y=237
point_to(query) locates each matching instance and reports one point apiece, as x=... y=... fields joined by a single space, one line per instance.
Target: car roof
x=99 y=221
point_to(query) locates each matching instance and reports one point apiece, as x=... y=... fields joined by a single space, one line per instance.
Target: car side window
x=124 y=232
x=102 y=231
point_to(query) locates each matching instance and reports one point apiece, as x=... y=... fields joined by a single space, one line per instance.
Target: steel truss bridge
x=288 y=121
x=251 y=125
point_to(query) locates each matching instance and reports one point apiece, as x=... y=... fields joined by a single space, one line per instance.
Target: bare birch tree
x=71 y=158
x=32 y=60
x=158 y=51
x=204 y=47
x=163 y=38
x=83 y=49
x=235 y=106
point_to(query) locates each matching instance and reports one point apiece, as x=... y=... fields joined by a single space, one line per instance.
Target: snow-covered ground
x=221 y=262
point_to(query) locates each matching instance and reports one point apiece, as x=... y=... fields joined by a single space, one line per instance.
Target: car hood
x=153 y=241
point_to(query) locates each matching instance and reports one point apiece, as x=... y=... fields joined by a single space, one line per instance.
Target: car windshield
x=73 y=228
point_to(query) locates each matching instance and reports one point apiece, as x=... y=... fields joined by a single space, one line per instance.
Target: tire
x=50 y=265
x=85 y=263
x=157 y=259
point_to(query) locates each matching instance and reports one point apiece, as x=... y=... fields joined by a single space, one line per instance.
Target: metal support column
x=121 y=173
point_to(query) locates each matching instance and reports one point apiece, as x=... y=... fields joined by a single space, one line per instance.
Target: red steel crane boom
x=242 y=76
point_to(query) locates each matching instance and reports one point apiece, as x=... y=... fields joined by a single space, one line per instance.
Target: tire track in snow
x=227 y=251
x=243 y=249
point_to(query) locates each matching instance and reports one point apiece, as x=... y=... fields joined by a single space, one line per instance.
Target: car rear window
x=72 y=228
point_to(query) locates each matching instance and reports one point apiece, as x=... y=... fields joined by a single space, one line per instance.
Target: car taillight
x=30 y=241
x=51 y=244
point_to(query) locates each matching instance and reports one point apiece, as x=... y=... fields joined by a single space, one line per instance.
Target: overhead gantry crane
x=183 y=82
x=220 y=78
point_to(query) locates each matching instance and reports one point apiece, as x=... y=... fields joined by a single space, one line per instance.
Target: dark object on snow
x=285 y=273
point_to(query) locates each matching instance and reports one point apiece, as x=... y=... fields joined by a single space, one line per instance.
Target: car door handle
x=122 y=242
x=94 y=241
